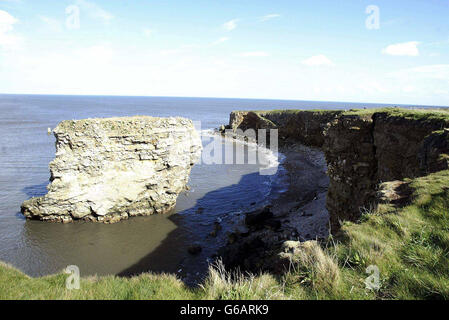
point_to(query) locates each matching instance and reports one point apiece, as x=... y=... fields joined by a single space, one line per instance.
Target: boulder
x=195 y=249
x=258 y=217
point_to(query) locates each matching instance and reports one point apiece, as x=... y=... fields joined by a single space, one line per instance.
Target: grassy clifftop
x=427 y=113
x=406 y=114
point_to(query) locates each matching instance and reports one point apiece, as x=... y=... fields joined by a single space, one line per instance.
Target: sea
x=218 y=193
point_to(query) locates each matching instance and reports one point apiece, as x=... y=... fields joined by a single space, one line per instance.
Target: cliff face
x=363 y=148
x=401 y=146
x=351 y=165
x=308 y=127
x=110 y=169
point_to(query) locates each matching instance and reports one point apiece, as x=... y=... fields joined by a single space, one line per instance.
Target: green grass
x=261 y=113
x=295 y=111
x=412 y=114
x=409 y=245
x=16 y=285
x=431 y=114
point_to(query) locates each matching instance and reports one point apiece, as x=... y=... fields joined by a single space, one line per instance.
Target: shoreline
x=303 y=203
x=297 y=214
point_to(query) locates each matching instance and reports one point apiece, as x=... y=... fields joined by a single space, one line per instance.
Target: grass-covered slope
x=409 y=245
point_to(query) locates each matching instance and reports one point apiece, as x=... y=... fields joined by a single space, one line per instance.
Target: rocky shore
x=297 y=215
x=110 y=169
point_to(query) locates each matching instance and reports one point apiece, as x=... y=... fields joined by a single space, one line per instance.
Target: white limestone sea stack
x=110 y=169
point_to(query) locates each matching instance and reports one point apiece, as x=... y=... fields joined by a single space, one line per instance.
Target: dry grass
x=221 y=284
x=314 y=269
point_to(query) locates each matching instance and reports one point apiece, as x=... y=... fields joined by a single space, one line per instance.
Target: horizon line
x=211 y=97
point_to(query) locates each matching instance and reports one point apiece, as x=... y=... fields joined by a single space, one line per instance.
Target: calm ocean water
x=155 y=243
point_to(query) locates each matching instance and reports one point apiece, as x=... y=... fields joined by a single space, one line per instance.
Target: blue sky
x=396 y=52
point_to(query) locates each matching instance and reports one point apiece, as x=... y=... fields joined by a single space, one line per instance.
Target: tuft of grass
x=224 y=285
x=312 y=267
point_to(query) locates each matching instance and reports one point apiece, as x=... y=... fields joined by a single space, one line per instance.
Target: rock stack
x=110 y=169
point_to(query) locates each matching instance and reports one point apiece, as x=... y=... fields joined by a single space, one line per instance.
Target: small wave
x=272 y=159
x=271 y=164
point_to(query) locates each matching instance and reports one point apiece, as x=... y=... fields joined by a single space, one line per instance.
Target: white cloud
x=402 y=49
x=7 y=39
x=441 y=91
x=440 y=43
x=269 y=17
x=422 y=82
x=6 y=21
x=53 y=24
x=148 y=32
x=230 y=25
x=95 y=11
x=166 y=52
x=371 y=87
x=254 y=54
x=221 y=40
x=408 y=89
x=98 y=53
x=318 y=60
x=435 y=72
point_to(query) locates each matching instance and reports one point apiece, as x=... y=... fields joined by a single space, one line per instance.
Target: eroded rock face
x=308 y=127
x=362 y=150
x=110 y=169
x=404 y=147
x=433 y=155
x=352 y=167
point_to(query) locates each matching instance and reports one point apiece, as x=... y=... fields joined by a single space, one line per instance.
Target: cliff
x=363 y=148
x=110 y=169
